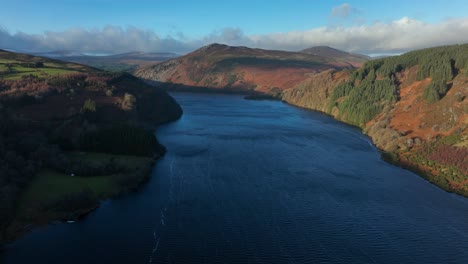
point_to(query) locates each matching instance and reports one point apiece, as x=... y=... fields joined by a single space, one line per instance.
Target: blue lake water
x=262 y=182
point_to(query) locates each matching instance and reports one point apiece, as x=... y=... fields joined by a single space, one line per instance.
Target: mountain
x=227 y=68
x=413 y=107
x=70 y=136
x=356 y=60
x=117 y=62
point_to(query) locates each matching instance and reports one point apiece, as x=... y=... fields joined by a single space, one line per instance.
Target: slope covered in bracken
x=413 y=106
x=227 y=68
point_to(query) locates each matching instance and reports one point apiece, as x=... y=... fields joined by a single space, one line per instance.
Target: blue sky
x=189 y=24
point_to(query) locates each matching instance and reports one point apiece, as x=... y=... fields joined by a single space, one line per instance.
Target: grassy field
x=17 y=71
x=57 y=196
x=7 y=60
x=15 y=66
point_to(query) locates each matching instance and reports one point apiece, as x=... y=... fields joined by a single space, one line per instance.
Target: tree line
x=374 y=86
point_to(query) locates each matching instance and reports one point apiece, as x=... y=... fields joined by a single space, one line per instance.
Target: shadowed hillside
x=70 y=136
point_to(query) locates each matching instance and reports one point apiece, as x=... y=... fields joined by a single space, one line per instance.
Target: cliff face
x=243 y=69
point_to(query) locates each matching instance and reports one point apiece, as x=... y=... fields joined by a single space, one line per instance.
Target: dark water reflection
x=263 y=182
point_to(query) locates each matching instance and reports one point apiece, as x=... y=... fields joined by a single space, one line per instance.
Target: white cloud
x=109 y=39
x=392 y=37
x=346 y=14
x=342 y=11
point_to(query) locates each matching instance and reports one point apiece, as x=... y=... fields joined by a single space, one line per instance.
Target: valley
x=416 y=116
x=413 y=106
x=269 y=132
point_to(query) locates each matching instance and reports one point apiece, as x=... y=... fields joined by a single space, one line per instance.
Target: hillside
x=117 y=62
x=70 y=136
x=356 y=60
x=413 y=107
x=227 y=68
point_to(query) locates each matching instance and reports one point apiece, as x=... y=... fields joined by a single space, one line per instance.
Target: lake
x=262 y=182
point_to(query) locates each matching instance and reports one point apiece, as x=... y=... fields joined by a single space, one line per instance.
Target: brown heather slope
x=409 y=119
x=424 y=135
x=222 y=67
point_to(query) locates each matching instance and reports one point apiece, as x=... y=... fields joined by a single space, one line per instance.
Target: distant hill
x=58 y=54
x=117 y=62
x=356 y=60
x=218 y=66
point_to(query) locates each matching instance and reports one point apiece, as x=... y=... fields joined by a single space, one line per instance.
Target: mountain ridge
x=218 y=66
x=127 y=61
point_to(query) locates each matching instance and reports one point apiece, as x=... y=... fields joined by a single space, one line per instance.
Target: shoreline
x=392 y=158
x=395 y=161
x=17 y=228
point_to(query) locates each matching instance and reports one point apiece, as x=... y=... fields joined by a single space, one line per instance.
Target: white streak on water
x=162 y=222
x=162 y=218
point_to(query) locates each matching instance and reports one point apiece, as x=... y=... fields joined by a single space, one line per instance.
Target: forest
x=374 y=86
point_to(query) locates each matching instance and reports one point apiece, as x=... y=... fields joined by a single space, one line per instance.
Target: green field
x=15 y=67
x=17 y=71
x=7 y=61
x=43 y=198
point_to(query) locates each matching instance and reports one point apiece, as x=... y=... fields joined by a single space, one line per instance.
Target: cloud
x=346 y=13
x=392 y=37
x=230 y=36
x=343 y=11
x=110 y=39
